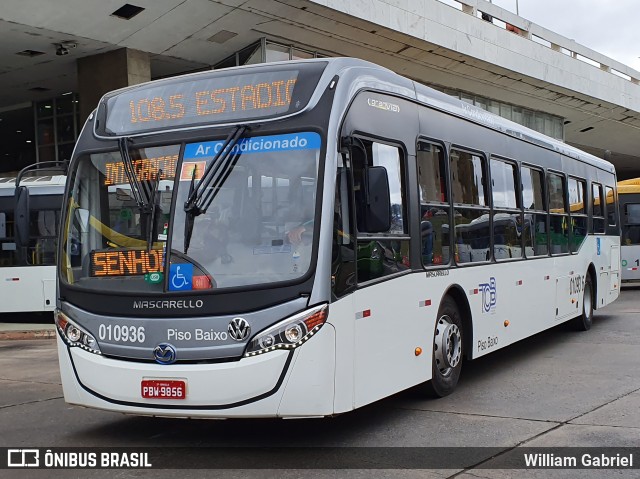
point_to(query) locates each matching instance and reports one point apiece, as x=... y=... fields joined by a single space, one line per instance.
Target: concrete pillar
x=99 y=74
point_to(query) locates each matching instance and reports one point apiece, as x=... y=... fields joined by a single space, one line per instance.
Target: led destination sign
x=217 y=101
x=126 y=262
x=215 y=98
x=145 y=169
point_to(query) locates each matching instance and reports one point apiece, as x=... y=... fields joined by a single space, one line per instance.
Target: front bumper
x=277 y=384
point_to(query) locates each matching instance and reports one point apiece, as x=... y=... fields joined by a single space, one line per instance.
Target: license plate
x=163 y=389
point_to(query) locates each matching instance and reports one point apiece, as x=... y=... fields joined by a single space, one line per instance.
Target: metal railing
x=509 y=21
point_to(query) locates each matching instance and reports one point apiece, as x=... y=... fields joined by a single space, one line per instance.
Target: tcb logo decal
x=489 y=295
x=23 y=457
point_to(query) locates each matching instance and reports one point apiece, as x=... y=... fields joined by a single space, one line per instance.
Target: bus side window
x=384 y=253
x=536 y=237
x=597 y=208
x=612 y=210
x=631 y=224
x=577 y=207
x=43 y=226
x=507 y=219
x=434 y=205
x=8 y=255
x=558 y=217
x=471 y=207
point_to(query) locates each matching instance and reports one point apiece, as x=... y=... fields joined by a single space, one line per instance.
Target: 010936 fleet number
x=118 y=333
x=576 y=284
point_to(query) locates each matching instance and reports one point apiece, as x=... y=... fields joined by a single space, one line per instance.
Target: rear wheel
x=585 y=320
x=447 y=350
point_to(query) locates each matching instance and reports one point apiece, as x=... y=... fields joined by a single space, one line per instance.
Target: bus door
x=379 y=135
x=614 y=272
x=386 y=301
x=613 y=229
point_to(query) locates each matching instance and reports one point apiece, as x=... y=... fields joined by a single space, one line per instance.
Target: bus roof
x=393 y=83
x=49 y=184
x=454 y=106
x=441 y=101
x=629 y=186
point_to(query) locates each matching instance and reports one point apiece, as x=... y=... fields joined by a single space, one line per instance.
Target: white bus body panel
x=537 y=294
x=341 y=313
x=389 y=325
x=310 y=386
x=307 y=388
x=614 y=269
x=27 y=289
x=509 y=301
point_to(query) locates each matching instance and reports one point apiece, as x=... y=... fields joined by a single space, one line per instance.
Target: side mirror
x=21 y=215
x=378 y=207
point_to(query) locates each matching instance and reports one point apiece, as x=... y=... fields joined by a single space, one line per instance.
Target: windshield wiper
x=189 y=216
x=130 y=173
x=213 y=172
x=146 y=197
x=216 y=172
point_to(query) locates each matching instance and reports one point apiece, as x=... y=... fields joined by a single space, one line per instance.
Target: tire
x=448 y=350
x=585 y=320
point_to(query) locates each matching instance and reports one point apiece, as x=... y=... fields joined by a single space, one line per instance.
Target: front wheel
x=585 y=320
x=447 y=350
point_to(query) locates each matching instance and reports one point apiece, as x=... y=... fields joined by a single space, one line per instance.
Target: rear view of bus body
x=629 y=195
x=28 y=250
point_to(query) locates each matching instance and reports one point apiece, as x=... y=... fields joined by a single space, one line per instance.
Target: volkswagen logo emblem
x=239 y=329
x=164 y=353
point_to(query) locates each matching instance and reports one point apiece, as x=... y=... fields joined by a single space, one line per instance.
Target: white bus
x=629 y=196
x=304 y=238
x=28 y=246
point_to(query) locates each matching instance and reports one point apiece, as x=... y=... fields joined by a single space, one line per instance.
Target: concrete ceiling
x=177 y=33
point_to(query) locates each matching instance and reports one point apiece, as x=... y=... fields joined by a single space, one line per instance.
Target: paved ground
x=27 y=326
x=559 y=388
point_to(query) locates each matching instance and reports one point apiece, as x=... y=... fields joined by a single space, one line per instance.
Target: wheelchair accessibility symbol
x=180 y=277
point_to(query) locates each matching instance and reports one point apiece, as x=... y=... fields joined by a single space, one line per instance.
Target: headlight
x=290 y=333
x=74 y=335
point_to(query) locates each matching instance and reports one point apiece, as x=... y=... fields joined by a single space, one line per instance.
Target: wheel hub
x=587 y=305
x=447 y=345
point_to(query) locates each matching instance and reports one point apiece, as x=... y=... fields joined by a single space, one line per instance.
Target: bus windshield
x=240 y=238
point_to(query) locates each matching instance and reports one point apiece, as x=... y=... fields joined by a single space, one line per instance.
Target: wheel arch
x=456 y=292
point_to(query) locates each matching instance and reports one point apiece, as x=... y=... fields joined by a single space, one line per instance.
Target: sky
x=609 y=27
